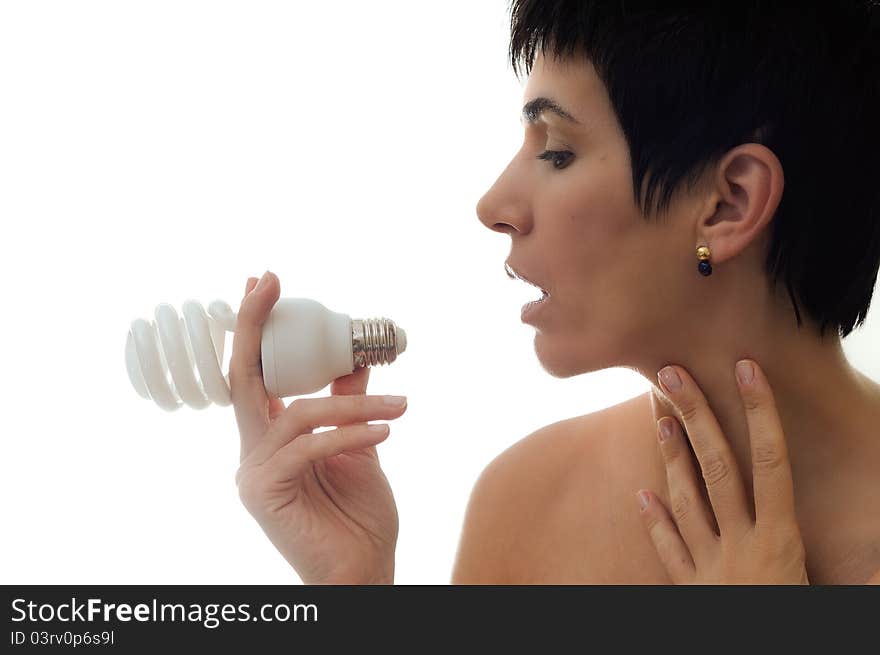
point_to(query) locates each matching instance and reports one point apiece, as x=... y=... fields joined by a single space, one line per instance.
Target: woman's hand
x=322 y=499
x=766 y=550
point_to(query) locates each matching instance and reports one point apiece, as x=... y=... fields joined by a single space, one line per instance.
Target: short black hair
x=688 y=82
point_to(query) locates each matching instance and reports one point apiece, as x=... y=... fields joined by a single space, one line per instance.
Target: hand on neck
x=820 y=398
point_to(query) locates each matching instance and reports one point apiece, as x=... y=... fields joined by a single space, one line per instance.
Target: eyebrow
x=533 y=109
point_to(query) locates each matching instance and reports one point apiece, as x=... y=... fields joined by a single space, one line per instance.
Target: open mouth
x=512 y=274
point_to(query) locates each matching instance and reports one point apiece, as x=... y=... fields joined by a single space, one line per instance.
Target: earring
x=704 y=266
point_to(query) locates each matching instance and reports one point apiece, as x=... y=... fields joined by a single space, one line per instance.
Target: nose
x=504 y=207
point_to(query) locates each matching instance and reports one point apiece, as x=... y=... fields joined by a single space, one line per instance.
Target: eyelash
x=551 y=156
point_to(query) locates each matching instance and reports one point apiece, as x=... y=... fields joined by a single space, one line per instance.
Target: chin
x=558 y=361
x=565 y=358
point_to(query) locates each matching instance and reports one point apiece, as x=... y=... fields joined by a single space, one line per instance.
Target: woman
x=755 y=130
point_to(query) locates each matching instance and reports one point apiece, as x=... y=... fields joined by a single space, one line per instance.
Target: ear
x=742 y=201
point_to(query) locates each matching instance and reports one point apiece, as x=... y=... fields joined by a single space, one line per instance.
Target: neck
x=825 y=406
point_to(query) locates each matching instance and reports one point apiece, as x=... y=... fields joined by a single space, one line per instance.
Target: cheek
x=609 y=269
x=595 y=213
x=605 y=256
x=596 y=242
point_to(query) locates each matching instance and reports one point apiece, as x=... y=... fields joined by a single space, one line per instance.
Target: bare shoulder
x=556 y=506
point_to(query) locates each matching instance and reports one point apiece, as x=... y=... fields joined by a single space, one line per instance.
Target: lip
x=515 y=274
x=531 y=309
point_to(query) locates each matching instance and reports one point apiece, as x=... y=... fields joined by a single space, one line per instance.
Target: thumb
x=245 y=365
x=354 y=383
x=253 y=312
x=260 y=298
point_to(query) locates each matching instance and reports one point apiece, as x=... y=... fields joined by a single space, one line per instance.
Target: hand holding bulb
x=322 y=499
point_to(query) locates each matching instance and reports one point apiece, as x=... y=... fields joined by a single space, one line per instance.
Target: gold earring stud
x=703 y=254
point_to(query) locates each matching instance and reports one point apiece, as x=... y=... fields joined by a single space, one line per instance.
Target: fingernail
x=262 y=282
x=395 y=401
x=665 y=429
x=644 y=499
x=745 y=372
x=379 y=428
x=669 y=378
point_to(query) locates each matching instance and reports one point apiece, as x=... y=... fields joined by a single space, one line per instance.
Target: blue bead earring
x=704 y=266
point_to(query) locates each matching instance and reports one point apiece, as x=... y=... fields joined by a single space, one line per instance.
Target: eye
x=559 y=158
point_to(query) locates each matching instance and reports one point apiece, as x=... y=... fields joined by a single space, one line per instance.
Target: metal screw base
x=373 y=341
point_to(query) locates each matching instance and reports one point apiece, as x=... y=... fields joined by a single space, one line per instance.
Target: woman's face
x=577 y=233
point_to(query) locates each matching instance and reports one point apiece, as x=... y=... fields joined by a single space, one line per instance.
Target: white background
x=159 y=151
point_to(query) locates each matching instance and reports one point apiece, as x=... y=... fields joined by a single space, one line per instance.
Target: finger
x=276 y=407
x=305 y=414
x=771 y=470
x=292 y=460
x=717 y=463
x=246 y=386
x=686 y=502
x=352 y=384
x=661 y=406
x=670 y=547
